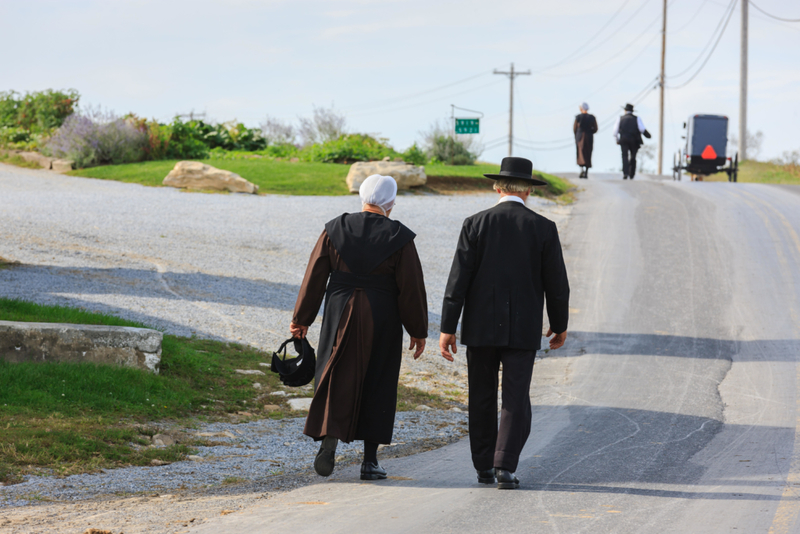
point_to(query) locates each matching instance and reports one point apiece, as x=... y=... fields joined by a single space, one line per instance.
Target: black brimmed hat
x=628 y=107
x=299 y=371
x=517 y=169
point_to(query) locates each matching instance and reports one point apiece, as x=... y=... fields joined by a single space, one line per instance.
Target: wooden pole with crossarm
x=511 y=75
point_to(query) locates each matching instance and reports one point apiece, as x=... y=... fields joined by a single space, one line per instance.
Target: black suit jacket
x=508 y=258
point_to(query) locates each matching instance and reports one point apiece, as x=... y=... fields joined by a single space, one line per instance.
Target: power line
x=711 y=40
x=601 y=43
x=711 y=53
x=584 y=45
x=438 y=99
x=393 y=100
x=691 y=19
x=773 y=16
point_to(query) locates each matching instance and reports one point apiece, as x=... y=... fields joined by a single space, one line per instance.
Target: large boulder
x=196 y=175
x=405 y=174
x=40 y=159
x=57 y=342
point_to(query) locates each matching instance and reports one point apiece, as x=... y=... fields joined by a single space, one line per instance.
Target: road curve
x=672 y=409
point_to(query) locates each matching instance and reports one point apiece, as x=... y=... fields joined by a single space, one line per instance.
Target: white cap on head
x=585 y=106
x=379 y=191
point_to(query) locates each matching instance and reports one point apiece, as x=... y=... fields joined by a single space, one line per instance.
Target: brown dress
x=373 y=286
x=585 y=127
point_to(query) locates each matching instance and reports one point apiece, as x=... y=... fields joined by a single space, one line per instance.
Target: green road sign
x=467 y=126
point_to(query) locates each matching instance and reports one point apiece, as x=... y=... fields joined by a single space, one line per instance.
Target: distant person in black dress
x=584 y=128
x=628 y=132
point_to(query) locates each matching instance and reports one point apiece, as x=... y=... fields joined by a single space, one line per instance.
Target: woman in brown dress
x=584 y=128
x=366 y=267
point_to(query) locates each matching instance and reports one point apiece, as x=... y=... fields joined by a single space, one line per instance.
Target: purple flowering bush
x=97 y=138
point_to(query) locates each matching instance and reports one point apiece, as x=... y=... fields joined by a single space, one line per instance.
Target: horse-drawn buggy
x=706 y=148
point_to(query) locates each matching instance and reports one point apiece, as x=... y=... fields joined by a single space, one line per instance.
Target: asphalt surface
x=672 y=408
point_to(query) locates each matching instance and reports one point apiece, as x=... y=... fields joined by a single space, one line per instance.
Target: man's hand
x=557 y=340
x=298 y=331
x=419 y=344
x=447 y=342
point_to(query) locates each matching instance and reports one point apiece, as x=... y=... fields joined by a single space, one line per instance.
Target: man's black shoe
x=506 y=479
x=326 y=457
x=371 y=471
x=486 y=477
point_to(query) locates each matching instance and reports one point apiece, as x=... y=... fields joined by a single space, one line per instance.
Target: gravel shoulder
x=220 y=266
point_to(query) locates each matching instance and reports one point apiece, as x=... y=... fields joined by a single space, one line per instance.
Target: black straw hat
x=628 y=107
x=299 y=371
x=518 y=169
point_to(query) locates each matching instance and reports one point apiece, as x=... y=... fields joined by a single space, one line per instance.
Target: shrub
x=325 y=126
x=347 y=149
x=186 y=140
x=415 y=155
x=97 y=138
x=11 y=134
x=446 y=149
x=37 y=112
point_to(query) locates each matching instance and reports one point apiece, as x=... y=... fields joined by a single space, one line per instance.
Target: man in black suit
x=507 y=260
x=628 y=132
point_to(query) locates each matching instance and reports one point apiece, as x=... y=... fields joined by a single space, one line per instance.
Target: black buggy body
x=705 y=150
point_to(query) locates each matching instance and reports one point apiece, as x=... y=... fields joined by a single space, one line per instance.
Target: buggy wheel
x=735 y=172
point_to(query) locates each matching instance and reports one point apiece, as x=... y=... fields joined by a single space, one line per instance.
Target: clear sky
x=394 y=67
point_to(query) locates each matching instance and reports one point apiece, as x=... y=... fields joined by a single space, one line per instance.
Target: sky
x=393 y=68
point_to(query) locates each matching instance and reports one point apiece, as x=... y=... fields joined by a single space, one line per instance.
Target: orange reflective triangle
x=709 y=153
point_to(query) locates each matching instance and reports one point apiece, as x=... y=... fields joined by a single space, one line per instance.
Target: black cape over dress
x=367 y=268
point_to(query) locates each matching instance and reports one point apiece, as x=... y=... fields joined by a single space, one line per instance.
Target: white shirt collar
x=511 y=198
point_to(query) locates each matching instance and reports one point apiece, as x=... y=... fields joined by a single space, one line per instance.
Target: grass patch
x=762 y=172
x=5 y=264
x=15 y=159
x=271 y=177
x=327 y=179
x=76 y=418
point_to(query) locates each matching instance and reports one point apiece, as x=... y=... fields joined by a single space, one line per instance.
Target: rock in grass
x=405 y=174
x=62 y=165
x=423 y=408
x=301 y=404
x=196 y=175
x=249 y=372
x=271 y=407
x=156 y=462
x=163 y=440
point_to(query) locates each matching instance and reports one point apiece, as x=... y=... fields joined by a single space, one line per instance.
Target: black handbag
x=299 y=371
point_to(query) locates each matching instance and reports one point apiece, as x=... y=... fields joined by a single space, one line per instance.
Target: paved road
x=672 y=408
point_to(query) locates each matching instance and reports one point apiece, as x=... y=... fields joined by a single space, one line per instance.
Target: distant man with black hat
x=628 y=131
x=507 y=260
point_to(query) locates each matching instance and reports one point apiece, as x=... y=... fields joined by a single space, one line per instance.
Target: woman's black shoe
x=372 y=471
x=506 y=479
x=486 y=477
x=326 y=457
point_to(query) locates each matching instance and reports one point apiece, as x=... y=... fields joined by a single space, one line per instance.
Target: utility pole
x=661 y=89
x=743 y=85
x=511 y=75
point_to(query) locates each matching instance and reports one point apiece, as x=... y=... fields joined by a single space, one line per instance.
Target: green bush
x=37 y=112
x=415 y=155
x=12 y=134
x=445 y=149
x=348 y=148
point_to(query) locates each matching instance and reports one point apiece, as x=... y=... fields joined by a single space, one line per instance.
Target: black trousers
x=629 y=159
x=490 y=446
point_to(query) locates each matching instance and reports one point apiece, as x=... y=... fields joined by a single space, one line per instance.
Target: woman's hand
x=447 y=342
x=419 y=344
x=298 y=331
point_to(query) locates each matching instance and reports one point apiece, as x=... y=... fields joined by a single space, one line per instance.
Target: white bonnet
x=379 y=191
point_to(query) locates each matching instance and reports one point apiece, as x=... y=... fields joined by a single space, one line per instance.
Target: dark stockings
x=370 y=452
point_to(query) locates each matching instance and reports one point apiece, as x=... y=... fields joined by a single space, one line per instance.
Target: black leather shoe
x=506 y=479
x=326 y=457
x=371 y=471
x=486 y=477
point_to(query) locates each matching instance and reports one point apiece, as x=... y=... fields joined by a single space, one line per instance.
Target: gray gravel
x=222 y=266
